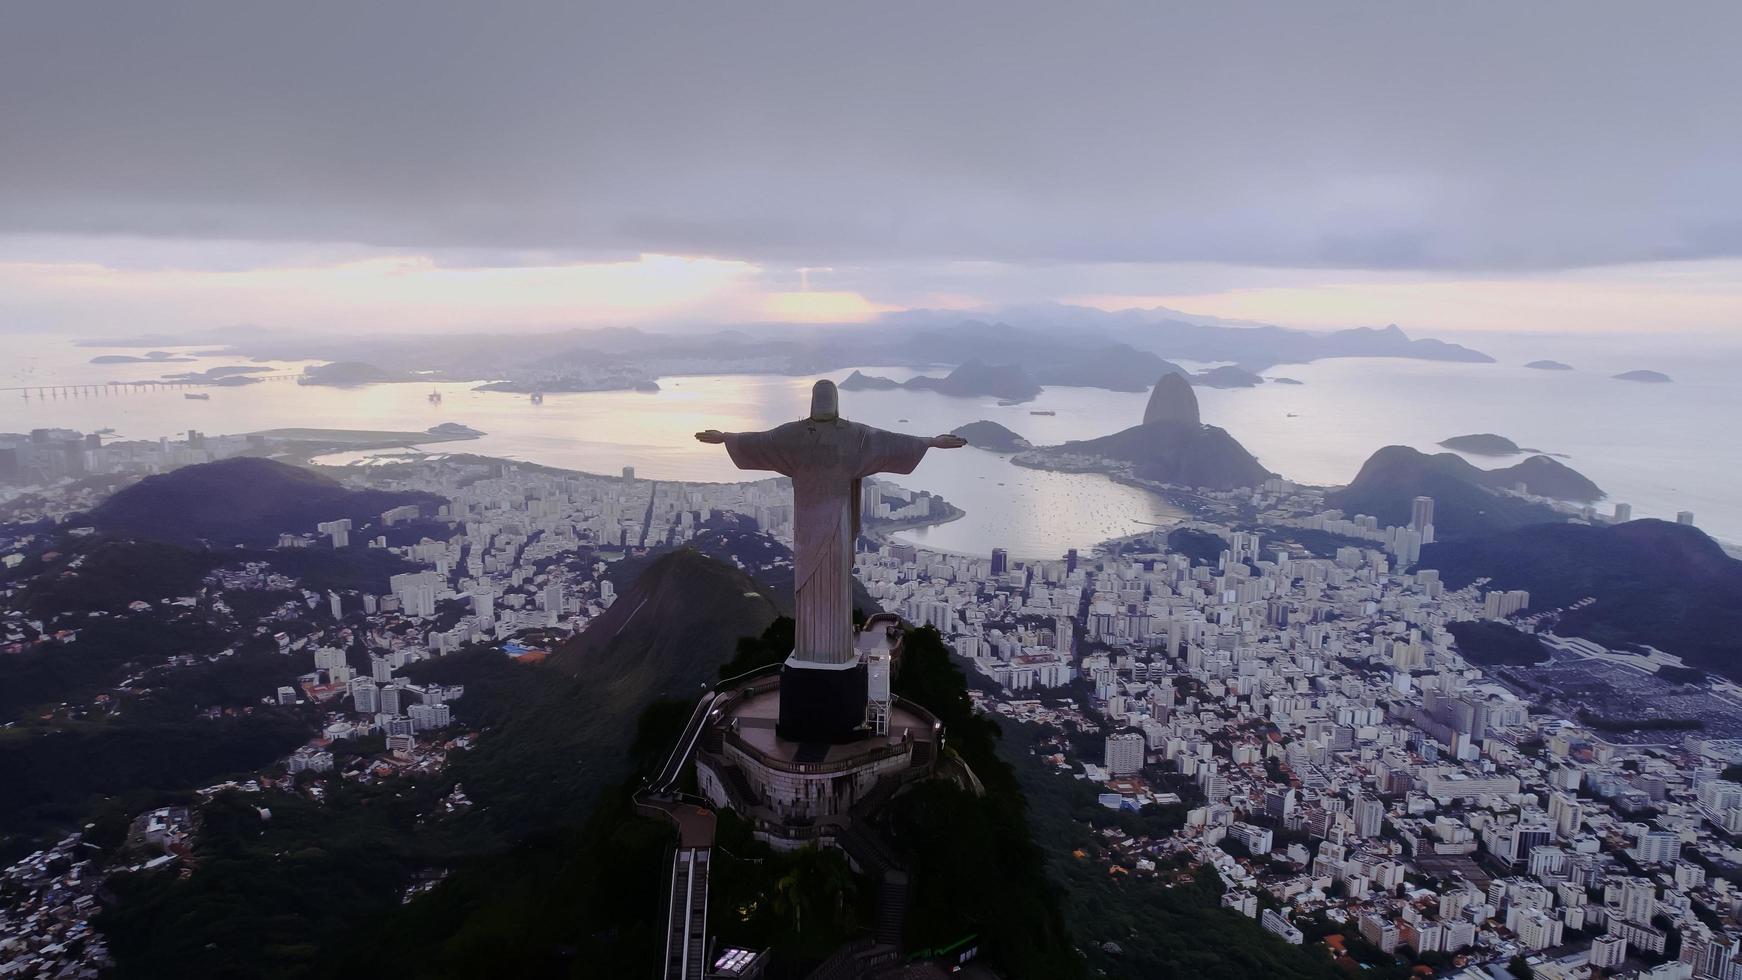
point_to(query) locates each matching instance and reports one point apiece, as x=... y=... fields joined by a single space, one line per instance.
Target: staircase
x=923 y=753
x=891 y=908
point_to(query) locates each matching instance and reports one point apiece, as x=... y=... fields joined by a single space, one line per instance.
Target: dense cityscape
x=1278 y=689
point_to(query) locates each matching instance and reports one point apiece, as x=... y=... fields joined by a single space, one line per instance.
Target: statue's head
x=825 y=402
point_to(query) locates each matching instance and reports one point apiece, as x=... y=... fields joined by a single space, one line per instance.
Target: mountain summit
x=1172 y=401
x=1468 y=500
x=1171 y=445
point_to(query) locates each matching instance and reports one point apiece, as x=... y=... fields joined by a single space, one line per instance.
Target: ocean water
x=1662 y=448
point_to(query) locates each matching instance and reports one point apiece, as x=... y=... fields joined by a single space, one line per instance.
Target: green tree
x=816 y=883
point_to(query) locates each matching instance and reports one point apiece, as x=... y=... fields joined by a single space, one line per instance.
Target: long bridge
x=109 y=388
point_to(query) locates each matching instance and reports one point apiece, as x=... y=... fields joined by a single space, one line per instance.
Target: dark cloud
x=1426 y=136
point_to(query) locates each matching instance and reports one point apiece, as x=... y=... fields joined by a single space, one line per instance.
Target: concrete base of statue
x=821 y=702
x=796 y=792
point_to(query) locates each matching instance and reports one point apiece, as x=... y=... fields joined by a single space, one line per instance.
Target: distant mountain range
x=241 y=501
x=1467 y=499
x=1655 y=582
x=972 y=379
x=1056 y=345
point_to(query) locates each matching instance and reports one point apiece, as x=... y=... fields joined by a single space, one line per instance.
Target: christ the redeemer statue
x=828 y=458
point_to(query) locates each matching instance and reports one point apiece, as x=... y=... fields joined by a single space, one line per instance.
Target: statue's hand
x=948 y=442
x=712 y=437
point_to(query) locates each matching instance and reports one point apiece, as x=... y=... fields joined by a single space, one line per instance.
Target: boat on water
x=1042 y=411
x=435 y=398
x=538 y=398
x=199 y=396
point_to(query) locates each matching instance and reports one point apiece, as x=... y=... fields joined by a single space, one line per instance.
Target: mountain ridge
x=243 y=500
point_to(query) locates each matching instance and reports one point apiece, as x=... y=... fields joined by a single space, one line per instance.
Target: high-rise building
x=1658 y=847
x=1000 y=561
x=1124 y=753
x=1369 y=817
x=427 y=717
x=553 y=602
x=1623 y=513
x=1279 y=802
x=1499 y=605
x=1274 y=923
x=1608 y=952
x=392 y=700
x=1566 y=813
x=365 y=696
x=1381 y=932
x=339 y=531
x=1421 y=513
x=1685 y=517
x=1638 y=900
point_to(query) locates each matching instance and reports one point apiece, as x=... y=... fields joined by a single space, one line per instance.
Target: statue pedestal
x=821 y=702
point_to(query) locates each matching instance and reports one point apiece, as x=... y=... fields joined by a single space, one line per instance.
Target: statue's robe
x=827 y=461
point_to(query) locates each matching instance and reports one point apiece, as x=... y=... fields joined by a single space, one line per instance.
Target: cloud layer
x=1489 y=137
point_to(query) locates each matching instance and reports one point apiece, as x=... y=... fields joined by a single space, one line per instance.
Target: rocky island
x=992 y=437
x=1644 y=377
x=1549 y=366
x=1483 y=444
x=860 y=381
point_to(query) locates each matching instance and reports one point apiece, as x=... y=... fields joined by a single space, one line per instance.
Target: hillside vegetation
x=246 y=500
x=1655 y=582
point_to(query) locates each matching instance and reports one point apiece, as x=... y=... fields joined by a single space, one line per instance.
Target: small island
x=1483 y=444
x=1286 y=381
x=1548 y=366
x=1644 y=377
x=154 y=357
x=1226 y=377
x=992 y=437
x=860 y=381
x=227 y=376
x=344 y=374
x=574 y=384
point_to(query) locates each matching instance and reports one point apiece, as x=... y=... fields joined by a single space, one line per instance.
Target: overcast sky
x=422 y=165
